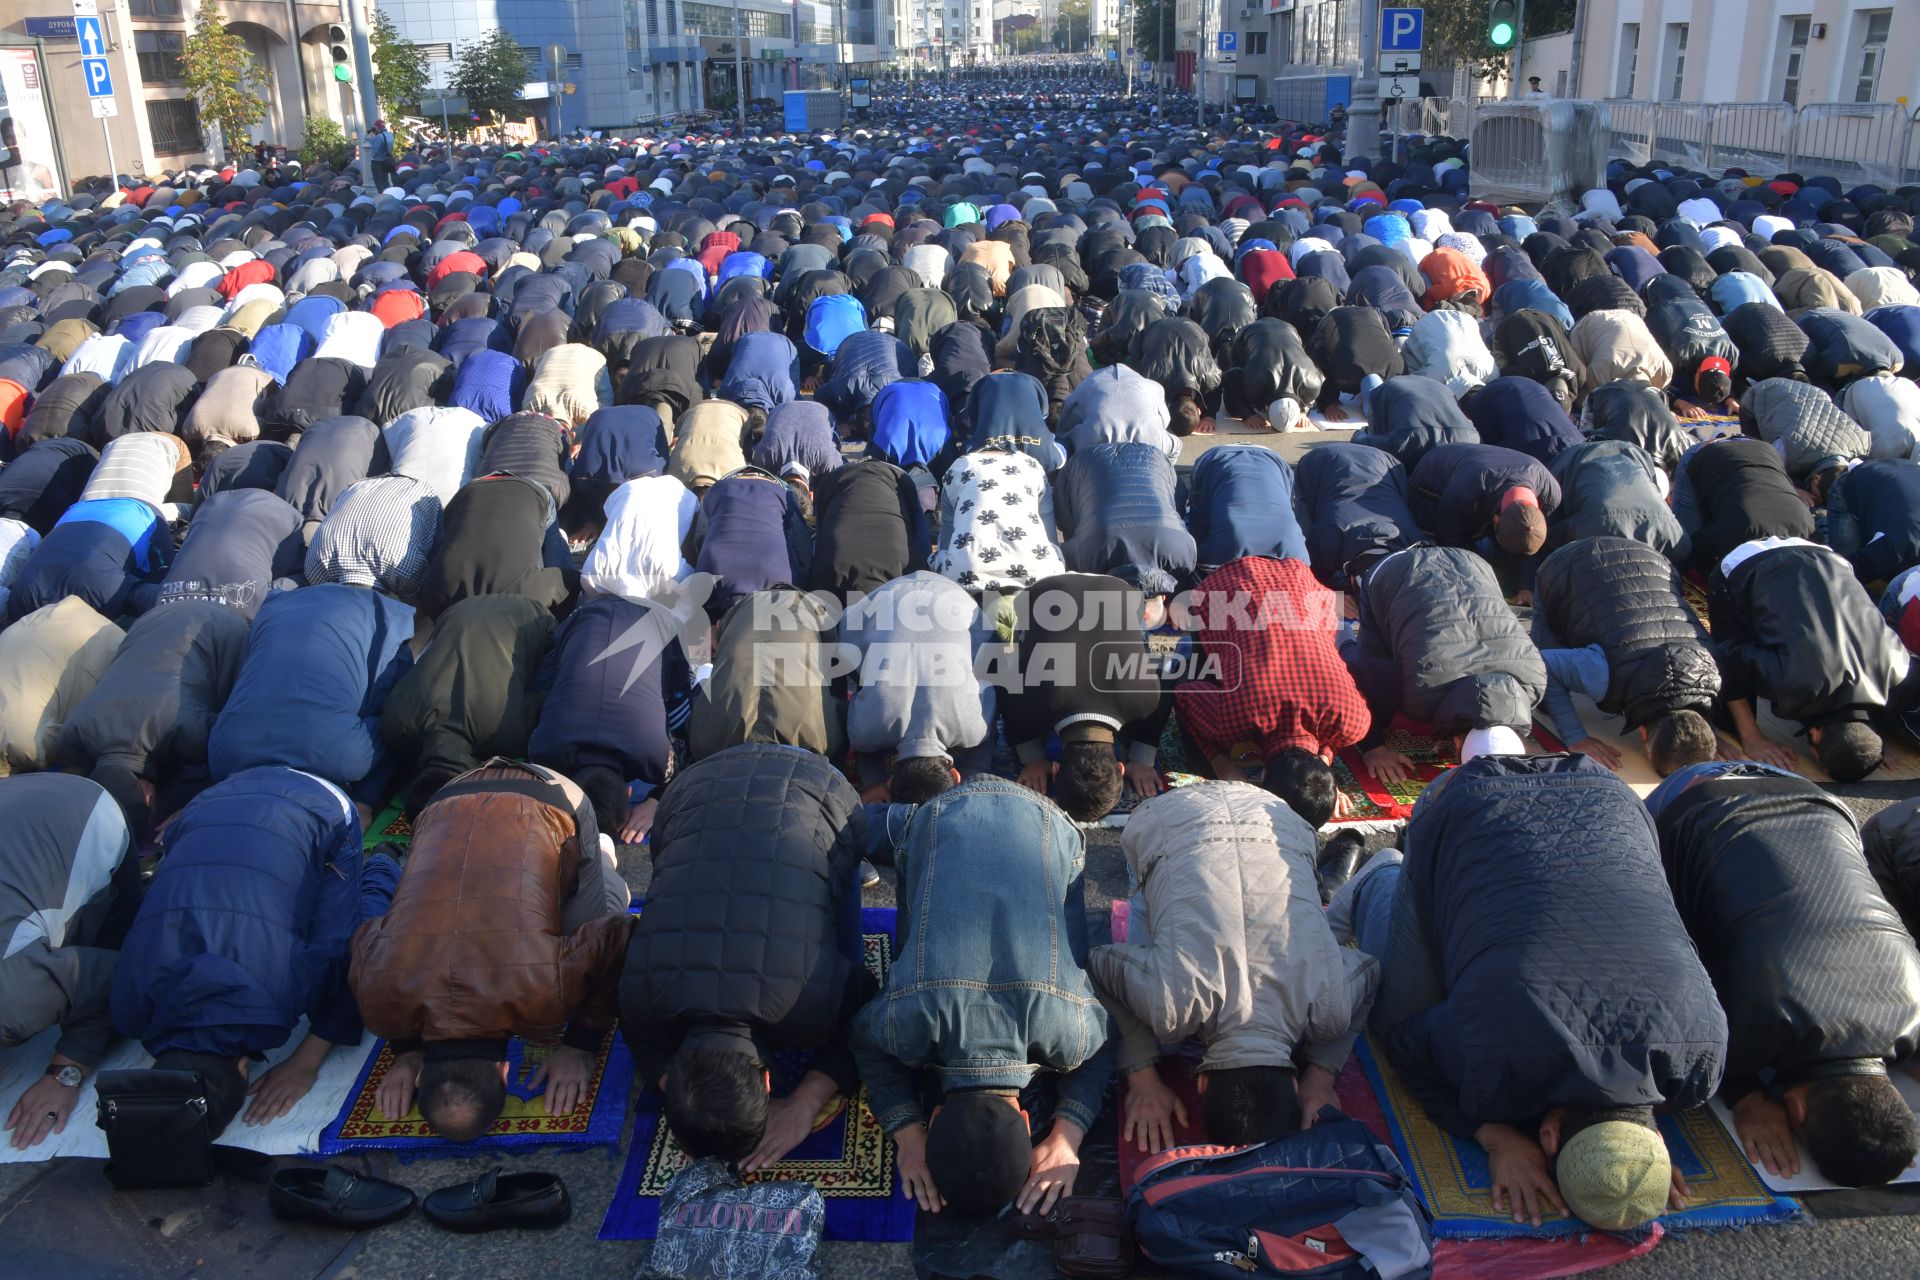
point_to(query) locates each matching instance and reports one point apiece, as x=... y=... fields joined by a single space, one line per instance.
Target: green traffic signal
x=343 y=73
x=1501 y=35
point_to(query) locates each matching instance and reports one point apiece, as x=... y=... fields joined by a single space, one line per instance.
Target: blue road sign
x=1229 y=42
x=92 y=38
x=1401 y=30
x=99 y=79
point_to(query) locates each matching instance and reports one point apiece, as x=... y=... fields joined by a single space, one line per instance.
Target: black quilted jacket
x=755 y=854
x=1812 y=965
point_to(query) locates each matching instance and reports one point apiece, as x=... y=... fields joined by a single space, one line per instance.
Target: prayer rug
x=389 y=825
x=1512 y=1258
x=596 y=1121
x=1370 y=799
x=1453 y=1181
x=846 y=1156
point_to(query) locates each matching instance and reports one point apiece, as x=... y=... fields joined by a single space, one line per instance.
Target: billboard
x=29 y=161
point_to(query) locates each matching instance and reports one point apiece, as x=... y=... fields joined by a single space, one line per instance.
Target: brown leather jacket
x=474 y=945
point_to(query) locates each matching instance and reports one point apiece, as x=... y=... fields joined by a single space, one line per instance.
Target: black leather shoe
x=1344 y=853
x=322 y=1193
x=495 y=1200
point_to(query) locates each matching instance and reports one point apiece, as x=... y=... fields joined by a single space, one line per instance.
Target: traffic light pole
x=363 y=72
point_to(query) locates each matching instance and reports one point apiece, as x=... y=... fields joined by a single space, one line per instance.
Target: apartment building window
x=1254 y=43
x=715 y=20
x=153 y=8
x=159 y=53
x=1629 y=59
x=1673 y=73
x=1792 y=59
x=175 y=123
x=1870 y=34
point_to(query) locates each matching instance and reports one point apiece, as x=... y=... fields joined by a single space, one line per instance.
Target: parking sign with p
x=1401 y=30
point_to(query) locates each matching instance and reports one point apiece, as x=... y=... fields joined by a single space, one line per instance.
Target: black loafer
x=495 y=1200
x=322 y=1193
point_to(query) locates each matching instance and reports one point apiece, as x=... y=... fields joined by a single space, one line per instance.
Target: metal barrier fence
x=1854 y=143
x=1311 y=98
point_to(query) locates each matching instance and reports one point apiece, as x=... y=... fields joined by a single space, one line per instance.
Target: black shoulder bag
x=156 y=1127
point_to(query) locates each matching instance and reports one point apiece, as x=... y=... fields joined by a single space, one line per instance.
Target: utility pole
x=1363 y=117
x=1200 y=70
x=739 y=77
x=1127 y=48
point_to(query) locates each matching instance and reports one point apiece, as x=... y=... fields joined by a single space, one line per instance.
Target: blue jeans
x=1383 y=923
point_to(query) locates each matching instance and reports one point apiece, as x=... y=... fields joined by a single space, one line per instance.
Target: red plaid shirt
x=1269 y=627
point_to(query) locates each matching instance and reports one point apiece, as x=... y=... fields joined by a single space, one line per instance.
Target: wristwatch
x=69 y=1075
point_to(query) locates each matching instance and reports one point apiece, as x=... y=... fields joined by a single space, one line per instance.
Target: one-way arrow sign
x=93 y=41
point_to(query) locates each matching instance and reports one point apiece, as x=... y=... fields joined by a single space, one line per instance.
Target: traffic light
x=1503 y=24
x=341 y=51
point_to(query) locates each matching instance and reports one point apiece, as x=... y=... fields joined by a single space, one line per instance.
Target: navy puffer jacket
x=1569 y=978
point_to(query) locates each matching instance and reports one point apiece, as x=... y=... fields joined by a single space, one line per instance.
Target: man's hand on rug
x=1315 y=1091
x=567 y=1072
x=394 y=1097
x=1758 y=746
x=1597 y=751
x=639 y=821
x=1036 y=776
x=1679 y=1192
x=1519 y=1174
x=790 y=1120
x=1342 y=805
x=1766 y=1135
x=1056 y=1163
x=910 y=1148
x=1388 y=765
x=1152 y=1110
x=1144 y=779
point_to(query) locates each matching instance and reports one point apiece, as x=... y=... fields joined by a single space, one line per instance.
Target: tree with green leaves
x=1153 y=29
x=400 y=66
x=224 y=77
x=489 y=73
x=1072 y=30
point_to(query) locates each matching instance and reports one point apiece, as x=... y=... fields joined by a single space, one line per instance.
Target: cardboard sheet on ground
x=1635 y=769
x=1808 y=1179
x=295 y=1133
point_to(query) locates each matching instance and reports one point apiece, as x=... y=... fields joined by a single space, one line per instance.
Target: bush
x=324 y=143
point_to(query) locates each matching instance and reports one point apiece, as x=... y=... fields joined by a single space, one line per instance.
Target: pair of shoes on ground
x=338 y=1198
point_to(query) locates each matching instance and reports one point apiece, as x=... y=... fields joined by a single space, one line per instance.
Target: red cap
x=1716 y=364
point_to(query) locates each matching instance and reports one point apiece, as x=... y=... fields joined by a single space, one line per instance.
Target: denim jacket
x=989 y=980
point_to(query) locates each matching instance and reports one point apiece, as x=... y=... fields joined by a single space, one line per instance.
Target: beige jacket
x=49 y=661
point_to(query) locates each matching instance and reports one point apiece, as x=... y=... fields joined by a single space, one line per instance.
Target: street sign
x=1401 y=30
x=93 y=40
x=99 y=79
x=104 y=107
x=1399 y=87
x=1229 y=42
x=1394 y=64
x=86 y=8
x=50 y=28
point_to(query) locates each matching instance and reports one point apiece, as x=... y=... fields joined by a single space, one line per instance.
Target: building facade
x=156 y=125
x=1792 y=51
